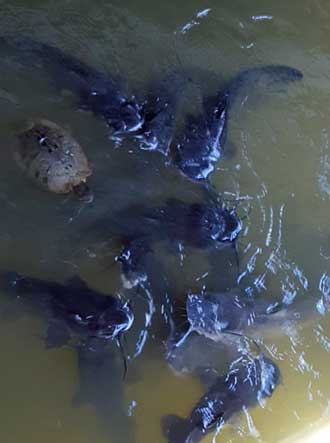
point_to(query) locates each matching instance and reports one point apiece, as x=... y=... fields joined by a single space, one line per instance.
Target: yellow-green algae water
x=279 y=171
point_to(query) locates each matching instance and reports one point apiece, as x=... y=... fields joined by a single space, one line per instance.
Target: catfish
x=229 y=316
x=160 y=111
x=202 y=225
x=73 y=310
x=99 y=92
x=200 y=145
x=248 y=382
x=101 y=386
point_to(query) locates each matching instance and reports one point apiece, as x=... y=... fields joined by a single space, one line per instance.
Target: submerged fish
x=98 y=92
x=248 y=382
x=101 y=386
x=227 y=316
x=159 y=110
x=150 y=120
x=199 y=225
x=200 y=145
x=141 y=269
x=198 y=356
x=93 y=319
x=133 y=263
x=72 y=309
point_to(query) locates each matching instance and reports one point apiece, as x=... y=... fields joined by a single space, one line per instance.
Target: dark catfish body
x=177 y=224
x=216 y=314
x=200 y=145
x=248 y=382
x=134 y=261
x=98 y=92
x=212 y=314
x=159 y=111
x=101 y=386
x=72 y=309
x=199 y=225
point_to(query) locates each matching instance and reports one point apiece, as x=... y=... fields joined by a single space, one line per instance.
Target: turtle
x=53 y=159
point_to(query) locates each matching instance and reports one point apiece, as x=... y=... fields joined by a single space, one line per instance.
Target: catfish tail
x=12 y=282
x=48 y=56
x=271 y=78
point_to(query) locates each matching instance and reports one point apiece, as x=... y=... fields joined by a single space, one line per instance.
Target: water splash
x=201 y=14
x=261 y=18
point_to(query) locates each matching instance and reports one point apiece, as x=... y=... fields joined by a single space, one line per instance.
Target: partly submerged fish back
x=160 y=110
x=248 y=382
x=260 y=79
x=215 y=315
x=200 y=147
x=212 y=314
x=101 y=386
x=269 y=78
x=101 y=93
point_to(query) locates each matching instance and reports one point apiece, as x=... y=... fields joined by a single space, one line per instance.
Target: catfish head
x=72 y=308
x=113 y=321
x=120 y=114
x=212 y=224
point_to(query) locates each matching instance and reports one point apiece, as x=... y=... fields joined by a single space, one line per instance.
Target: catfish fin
x=77 y=283
x=176 y=429
x=57 y=335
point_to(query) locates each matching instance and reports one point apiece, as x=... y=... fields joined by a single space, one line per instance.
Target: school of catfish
x=94 y=323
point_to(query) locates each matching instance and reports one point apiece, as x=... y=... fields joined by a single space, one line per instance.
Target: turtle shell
x=51 y=157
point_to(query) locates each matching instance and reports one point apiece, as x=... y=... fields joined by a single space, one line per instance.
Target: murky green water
x=279 y=171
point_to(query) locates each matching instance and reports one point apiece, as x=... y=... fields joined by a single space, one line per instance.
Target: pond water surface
x=277 y=173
